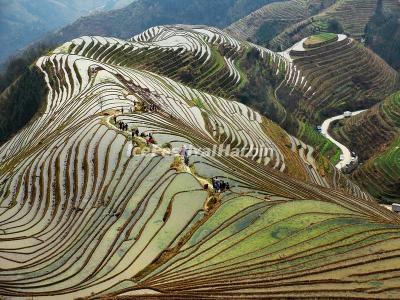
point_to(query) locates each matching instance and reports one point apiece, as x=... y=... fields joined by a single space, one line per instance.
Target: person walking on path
x=186 y=156
x=182 y=151
x=217 y=186
x=223 y=186
x=151 y=139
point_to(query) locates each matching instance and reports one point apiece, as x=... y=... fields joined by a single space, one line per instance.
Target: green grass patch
x=320 y=38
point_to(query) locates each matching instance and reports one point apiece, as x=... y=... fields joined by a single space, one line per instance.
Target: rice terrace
x=153 y=169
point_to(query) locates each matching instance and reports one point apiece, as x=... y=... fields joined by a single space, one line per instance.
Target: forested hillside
x=383 y=34
x=18 y=105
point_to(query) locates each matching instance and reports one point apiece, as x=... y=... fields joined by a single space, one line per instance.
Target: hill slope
x=341 y=74
x=374 y=135
x=143 y=14
x=350 y=17
x=280 y=25
x=86 y=212
x=268 y=21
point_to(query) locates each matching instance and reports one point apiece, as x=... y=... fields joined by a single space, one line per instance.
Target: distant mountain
x=142 y=14
x=25 y=21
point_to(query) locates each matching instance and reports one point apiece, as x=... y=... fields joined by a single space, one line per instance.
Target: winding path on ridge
x=345 y=151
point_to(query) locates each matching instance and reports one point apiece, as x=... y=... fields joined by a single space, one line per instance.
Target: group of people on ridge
x=149 y=138
x=145 y=108
x=135 y=133
x=220 y=186
x=152 y=107
x=123 y=126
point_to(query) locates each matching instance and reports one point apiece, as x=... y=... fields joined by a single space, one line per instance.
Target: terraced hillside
x=353 y=15
x=88 y=209
x=341 y=75
x=374 y=135
x=224 y=68
x=348 y=16
x=380 y=174
x=264 y=24
x=280 y=25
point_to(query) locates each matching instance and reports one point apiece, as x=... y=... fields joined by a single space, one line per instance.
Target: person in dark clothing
x=115 y=119
x=217 y=186
x=126 y=127
x=187 y=160
x=223 y=186
x=137 y=132
x=227 y=186
x=150 y=139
